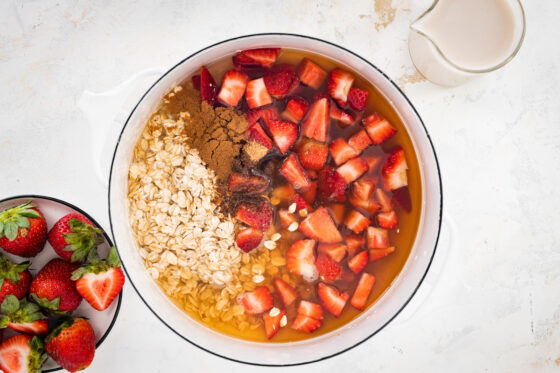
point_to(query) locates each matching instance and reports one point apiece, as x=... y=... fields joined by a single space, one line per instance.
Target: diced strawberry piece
x=363 y=289
x=256 y=133
x=313 y=154
x=311 y=74
x=341 y=151
x=256 y=94
x=280 y=80
x=248 y=239
x=344 y=118
x=300 y=260
x=337 y=212
x=363 y=189
x=247 y=184
x=333 y=300
x=383 y=200
x=301 y=203
x=285 y=291
x=265 y=57
x=329 y=270
x=196 y=81
x=339 y=85
x=393 y=173
x=331 y=186
x=256 y=214
x=377 y=238
x=354 y=243
x=313 y=174
x=368 y=205
x=376 y=254
x=208 y=87
x=319 y=226
x=283 y=133
x=306 y=324
x=286 y=218
x=293 y=171
x=315 y=125
x=358 y=262
x=272 y=323
x=402 y=196
x=356 y=222
x=284 y=192
x=267 y=115
x=310 y=309
x=379 y=129
x=295 y=109
x=359 y=141
x=352 y=169
x=373 y=161
x=233 y=87
x=387 y=220
x=357 y=98
x=335 y=251
x=309 y=194
x=257 y=301
x=241 y=61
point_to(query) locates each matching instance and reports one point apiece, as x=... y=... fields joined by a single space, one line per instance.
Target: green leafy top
x=50 y=306
x=19 y=311
x=83 y=239
x=38 y=355
x=16 y=217
x=10 y=270
x=97 y=265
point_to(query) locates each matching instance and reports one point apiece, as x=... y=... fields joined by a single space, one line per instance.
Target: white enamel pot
x=277 y=354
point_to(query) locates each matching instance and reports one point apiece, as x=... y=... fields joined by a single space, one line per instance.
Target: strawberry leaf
x=10 y=230
x=113 y=258
x=83 y=239
x=10 y=304
x=21 y=311
x=10 y=270
x=38 y=355
x=52 y=305
x=15 y=218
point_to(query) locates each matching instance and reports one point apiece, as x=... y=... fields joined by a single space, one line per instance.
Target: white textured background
x=495 y=304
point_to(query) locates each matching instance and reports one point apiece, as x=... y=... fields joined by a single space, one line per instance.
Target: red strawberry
x=286 y=218
x=265 y=57
x=295 y=109
x=255 y=213
x=341 y=151
x=378 y=128
x=333 y=300
x=196 y=82
x=283 y=133
x=241 y=61
x=256 y=132
x=311 y=74
x=358 y=262
x=383 y=200
x=373 y=161
x=344 y=118
x=73 y=237
x=352 y=169
x=357 y=98
x=402 y=197
x=285 y=291
x=377 y=238
x=354 y=243
x=313 y=154
x=293 y=171
x=363 y=189
x=393 y=173
x=315 y=125
x=363 y=289
x=267 y=115
x=22 y=354
x=300 y=259
x=356 y=222
x=280 y=80
x=329 y=270
x=359 y=141
x=309 y=194
x=387 y=220
x=319 y=226
x=368 y=205
x=284 y=193
x=301 y=203
x=72 y=344
x=14 y=278
x=338 y=211
x=23 y=230
x=305 y=324
x=335 y=251
x=256 y=94
x=53 y=287
x=208 y=87
x=339 y=85
x=310 y=309
x=23 y=316
x=233 y=87
x=273 y=323
x=247 y=184
x=331 y=186
x=376 y=254
x=248 y=239
x=257 y=301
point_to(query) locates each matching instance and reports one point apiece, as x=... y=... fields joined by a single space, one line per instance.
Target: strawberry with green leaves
x=72 y=344
x=23 y=230
x=23 y=316
x=14 y=278
x=22 y=354
x=53 y=288
x=73 y=237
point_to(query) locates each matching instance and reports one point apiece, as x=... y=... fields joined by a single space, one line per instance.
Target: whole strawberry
x=72 y=344
x=23 y=230
x=14 y=278
x=53 y=288
x=22 y=354
x=73 y=236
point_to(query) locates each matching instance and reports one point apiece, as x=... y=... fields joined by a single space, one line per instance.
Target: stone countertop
x=491 y=303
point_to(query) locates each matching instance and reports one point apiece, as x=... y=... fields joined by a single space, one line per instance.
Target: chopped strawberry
x=368 y=205
x=265 y=57
x=393 y=173
x=293 y=171
x=284 y=193
x=376 y=254
x=301 y=203
x=233 y=87
x=295 y=109
x=313 y=174
x=286 y=218
x=310 y=309
x=352 y=169
x=196 y=81
x=256 y=213
x=363 y=189
x=280 y=80
x=257 y=301
x=344 y=118
x=306 y=324
x=311 y=74
x=241 y=61
x=272 y=323
x=331 y=186
x=339 y=85
x=256 y=133
x=356 y=222
x=267 y=115
x=309 y=194
x=319 y=226
x=373 y=161
x=247 y=184
x=335 y=251
x=402 y=196
x=363 y=289
x=354 y=243
x=359 y=141
x=377 y=238
x=313 y=154
x=337 y=212
x=329 y=270
x=358 y=262
x=283 y=133
x=378 y=128
x=315 y=125
x=208 y=87
x=341 y=151
x=357 y=98
x=383 y=200
x=333 y=300
x=387 y=220
x=300 y=260
x=248 y=239
x=256 y=94
x=285 y=291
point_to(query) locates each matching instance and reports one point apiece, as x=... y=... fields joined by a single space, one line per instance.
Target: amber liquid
x=385 y=270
